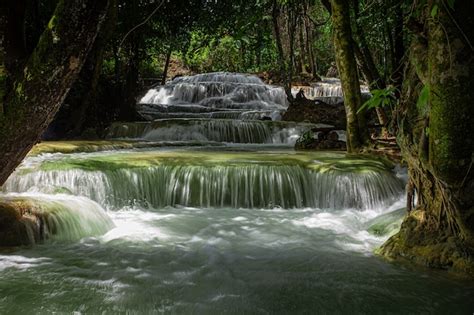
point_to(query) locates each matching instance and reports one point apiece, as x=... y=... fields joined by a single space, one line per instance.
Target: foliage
x=380 y=98
x=423 y=99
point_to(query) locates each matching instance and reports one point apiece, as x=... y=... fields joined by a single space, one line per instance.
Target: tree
x=40 y=82
x=357 y=133
x=435 y=132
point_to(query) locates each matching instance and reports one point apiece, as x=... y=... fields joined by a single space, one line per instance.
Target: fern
x=380 y=98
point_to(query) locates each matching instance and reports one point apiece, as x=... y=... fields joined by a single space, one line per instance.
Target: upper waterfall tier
x=216 y=179
x=215 y=92
x=329 y=90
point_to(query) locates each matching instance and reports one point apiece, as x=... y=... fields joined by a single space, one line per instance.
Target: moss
x=52 y=22
x=319 y=162
x=79 y=146
x=428 y=248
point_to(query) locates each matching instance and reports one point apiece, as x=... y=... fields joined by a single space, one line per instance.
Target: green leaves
x=380 y=98
x=424 y=98
x=451 y=3
x=435 y=7
x=434 y=11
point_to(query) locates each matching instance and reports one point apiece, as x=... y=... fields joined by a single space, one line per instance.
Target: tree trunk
x=281 y=54
x=46 y=78
x=357 y=133
x=439 y=232
x=369 y=70
x=167 y=64
x=399 y=50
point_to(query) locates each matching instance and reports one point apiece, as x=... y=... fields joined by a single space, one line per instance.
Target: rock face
x=320 y=140
x=306 y=110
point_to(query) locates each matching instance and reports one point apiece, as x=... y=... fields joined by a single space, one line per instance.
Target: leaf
x=451 y=4
x=380 y=98
x=423 y=98
x=434 y=11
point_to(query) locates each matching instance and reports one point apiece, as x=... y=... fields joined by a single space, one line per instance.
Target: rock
x=332 y=71
x=322 y=140
x=20 y=223
x=318 y=112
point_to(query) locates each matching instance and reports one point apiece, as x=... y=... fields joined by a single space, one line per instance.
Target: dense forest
x=262 y=104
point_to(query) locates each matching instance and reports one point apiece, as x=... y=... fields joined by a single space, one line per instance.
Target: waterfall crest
x=256 y=182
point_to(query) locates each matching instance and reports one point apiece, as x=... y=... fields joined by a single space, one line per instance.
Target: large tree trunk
x=357 y=134
x=40 y=88
x=80 y=109
x=437 y=141
x=276 y=11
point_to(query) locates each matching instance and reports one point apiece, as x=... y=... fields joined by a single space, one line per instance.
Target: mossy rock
x=414 y=243
x=20 y=223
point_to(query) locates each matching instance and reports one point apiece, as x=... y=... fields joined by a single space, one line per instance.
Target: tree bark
x=51 y=69
x=357 y=134
x=439 y=232
x=167 y=64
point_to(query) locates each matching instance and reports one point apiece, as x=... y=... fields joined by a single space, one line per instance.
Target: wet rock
x=20 y=223
x=305 y=110
x=324 y=139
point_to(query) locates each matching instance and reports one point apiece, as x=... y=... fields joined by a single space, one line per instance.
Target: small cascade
x=190 y=180
x=329 y=90
x=211 y=93
x=220 y=130
x=59 y=217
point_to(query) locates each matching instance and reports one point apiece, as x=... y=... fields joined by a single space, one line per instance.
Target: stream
x=223 y=216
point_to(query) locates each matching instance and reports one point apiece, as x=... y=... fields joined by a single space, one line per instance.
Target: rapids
x=208 y=211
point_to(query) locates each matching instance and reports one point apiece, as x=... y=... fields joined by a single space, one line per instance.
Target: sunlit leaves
x=380 y=98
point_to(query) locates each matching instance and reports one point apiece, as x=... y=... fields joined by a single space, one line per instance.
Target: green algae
x=319 y=162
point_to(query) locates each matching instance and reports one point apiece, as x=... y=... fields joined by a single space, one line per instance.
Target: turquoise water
x=184 y=259
x=239 y=223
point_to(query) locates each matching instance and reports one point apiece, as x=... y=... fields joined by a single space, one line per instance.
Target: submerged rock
x=387 y=224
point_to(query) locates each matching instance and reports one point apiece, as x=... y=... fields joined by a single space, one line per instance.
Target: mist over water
x=250 y=226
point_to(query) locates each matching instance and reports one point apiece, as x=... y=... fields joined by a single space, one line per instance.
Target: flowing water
x=249 y=226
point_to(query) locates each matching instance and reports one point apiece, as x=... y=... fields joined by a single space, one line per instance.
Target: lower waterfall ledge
x=20 y=223
x=29 y=219
x=429 y=249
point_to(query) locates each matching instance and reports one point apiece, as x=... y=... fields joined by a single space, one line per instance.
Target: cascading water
x=62 y=217
x=238 y=227
x=246 y=181
x=219 y=130
x=329 y=90
x=210 y=94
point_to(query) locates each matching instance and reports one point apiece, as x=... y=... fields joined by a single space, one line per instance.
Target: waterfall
x=220 y=130
x=226 y=182
x=329 y=90
x=60 y=217
x=197 y=96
